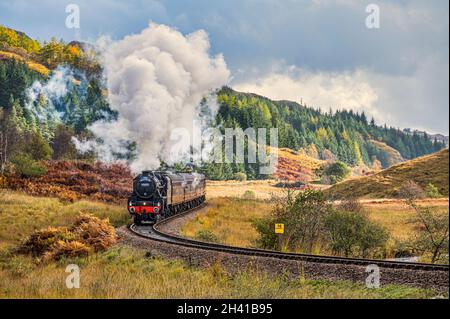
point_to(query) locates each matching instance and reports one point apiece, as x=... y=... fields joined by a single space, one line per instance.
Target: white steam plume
x=156 y=81
x=52 y=91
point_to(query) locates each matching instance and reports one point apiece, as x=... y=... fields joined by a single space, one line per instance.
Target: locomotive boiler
x=160 y=194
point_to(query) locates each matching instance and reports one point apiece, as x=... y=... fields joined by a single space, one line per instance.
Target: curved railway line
x=435 y=275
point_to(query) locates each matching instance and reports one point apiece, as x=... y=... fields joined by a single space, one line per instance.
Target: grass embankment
x=385 y=184
x=228 y=221
x=125 y=272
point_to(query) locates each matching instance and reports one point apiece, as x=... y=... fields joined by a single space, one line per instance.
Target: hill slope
x=423 y=170
x=295 y=166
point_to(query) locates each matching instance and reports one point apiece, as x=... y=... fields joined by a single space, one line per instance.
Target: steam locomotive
x=160 y=194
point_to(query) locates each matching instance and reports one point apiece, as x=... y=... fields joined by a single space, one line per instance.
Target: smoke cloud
x=52 y=91
x=156 y=82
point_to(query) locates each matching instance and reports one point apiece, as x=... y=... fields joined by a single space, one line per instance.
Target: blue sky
x=317 y=51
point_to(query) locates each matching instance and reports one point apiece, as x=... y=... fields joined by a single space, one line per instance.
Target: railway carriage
x=160 y=194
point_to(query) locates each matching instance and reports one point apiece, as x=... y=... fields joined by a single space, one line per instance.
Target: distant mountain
x=438 y=137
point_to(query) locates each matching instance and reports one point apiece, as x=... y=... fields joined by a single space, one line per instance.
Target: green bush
x=249 y=195
x=353 y=234
x=37 y=147
x=206 y=235
x=302 y=214
x=27 y=167
x=240 y=176
x=432 y=191
x=336 y=172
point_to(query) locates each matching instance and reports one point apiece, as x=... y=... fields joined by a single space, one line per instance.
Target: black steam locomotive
x=159 y=194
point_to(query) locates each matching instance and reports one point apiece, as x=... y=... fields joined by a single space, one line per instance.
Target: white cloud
x=396 y=99
x=351 y=90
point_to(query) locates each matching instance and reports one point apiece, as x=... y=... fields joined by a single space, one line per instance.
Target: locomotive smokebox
x=146 y=185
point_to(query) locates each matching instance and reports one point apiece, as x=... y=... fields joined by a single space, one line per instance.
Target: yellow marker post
x=279 y=230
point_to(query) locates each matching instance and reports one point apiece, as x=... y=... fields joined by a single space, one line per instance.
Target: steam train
x=160 y=194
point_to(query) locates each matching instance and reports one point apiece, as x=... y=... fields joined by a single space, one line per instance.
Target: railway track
x=153 y=233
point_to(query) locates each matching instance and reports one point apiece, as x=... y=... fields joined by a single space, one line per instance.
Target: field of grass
x=126 y=272
x=229 y=220
x=21 y=214
x=263 y=189
x=385 y=184
x=396 y=217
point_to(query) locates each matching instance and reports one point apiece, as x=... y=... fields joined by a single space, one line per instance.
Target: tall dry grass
x=21 y=214
x=123 y=272
x=229 y=220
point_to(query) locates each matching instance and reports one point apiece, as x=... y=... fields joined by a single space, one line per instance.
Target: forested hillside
x=350 y=136
x=51 y=91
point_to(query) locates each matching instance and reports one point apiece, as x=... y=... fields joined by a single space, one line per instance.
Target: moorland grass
x=229 y=220
x=127 y=272
x=21 y=214
x=124 y=272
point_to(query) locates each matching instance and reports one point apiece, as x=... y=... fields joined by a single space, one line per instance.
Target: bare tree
x=3 y=151
x=3 y=142
x=10 y=135
x=433 y=237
